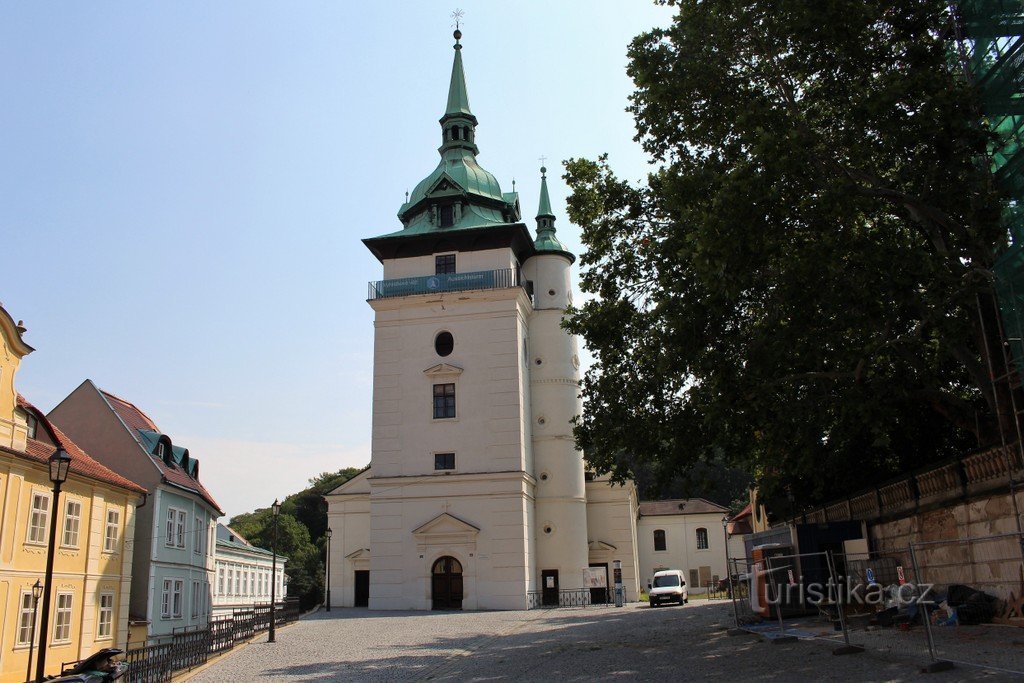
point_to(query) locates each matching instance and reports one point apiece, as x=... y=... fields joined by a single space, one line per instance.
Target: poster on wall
x=595 y=577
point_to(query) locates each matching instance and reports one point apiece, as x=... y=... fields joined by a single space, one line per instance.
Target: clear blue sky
x=184 y=186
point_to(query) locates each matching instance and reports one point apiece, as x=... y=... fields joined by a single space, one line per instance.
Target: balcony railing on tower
x=449 y=282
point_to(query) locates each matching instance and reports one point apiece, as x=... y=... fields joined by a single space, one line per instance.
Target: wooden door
x=446 y=584
x=549 y=586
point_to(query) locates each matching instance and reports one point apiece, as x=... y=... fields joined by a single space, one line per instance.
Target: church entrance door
x=446 y=584
x=362 y=588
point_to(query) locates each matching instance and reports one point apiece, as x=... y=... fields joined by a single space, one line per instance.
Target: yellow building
x=95 y=516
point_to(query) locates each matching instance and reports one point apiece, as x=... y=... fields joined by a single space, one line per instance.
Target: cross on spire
x=457 y=16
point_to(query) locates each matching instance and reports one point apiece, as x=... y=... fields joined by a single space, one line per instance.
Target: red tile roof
x=132 y=416
x=82 y=463
x=679 y=506
x=135 y=420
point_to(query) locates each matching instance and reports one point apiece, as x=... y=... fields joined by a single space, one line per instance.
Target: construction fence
x=937 y=604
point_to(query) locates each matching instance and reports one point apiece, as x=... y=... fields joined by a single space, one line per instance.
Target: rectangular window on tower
x=444 y=401
x=444 y=263
x=444 y=461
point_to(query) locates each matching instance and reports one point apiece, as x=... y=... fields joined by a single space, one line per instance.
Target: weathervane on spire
x=542 y=159
x=457 y=16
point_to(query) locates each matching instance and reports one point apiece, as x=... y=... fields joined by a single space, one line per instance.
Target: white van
x=668 y=586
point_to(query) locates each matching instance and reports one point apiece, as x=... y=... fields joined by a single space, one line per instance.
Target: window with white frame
x=62 y=618
x=170 y=603
x=39 y=517
x=238 y=580
x=195 y=599
x=25 y=634
x=165 y=598
x=176 y=597
x=197 y=542
x=702 y=539
x=72 y=523
x=105 y=619
x=111 y=530
x=179 y=528
x=252 y=582
x=172 y=515
x=220 y=580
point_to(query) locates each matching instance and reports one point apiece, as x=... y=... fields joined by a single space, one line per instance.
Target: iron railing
x=189 y=648
x=570 y=597
x=448 y=282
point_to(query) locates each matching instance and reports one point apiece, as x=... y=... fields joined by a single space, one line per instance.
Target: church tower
x=475 y=492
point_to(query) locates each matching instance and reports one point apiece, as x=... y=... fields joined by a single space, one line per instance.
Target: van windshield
x=666 y=581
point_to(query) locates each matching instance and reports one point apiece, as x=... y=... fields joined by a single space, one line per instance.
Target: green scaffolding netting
x=991 y=51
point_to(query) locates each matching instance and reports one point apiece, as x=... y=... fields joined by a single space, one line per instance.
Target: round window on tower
x=551 y=292
x=444 y=343
x=548 y=528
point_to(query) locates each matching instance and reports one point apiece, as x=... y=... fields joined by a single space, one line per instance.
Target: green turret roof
x=458 y=194
x=546 y=241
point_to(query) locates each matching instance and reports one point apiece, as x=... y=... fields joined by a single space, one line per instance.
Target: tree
x=300 y=534
x=800 y=286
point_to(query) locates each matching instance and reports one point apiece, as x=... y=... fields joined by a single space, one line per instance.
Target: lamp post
x=728 y=571
x=327 y=571
x=60 y=461
x=37 y=591
x=276 y=507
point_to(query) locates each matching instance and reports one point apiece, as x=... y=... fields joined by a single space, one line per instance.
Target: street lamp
x=60 y=461
x=276 y=507
x=37 y=592
x=327 y=572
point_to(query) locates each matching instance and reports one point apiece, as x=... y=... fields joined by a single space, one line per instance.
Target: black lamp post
x=728 y=571
x=276 y=507
x=327 y=573
x=37 y=592
x=60 y=461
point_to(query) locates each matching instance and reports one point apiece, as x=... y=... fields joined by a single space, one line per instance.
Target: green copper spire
x=546 y=240
x=544 y=211
x=458 y=98
x=459 y=193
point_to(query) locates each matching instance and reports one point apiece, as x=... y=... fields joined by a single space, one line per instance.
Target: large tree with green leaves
x=795 y=289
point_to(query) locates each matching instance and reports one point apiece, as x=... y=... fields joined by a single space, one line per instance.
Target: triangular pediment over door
x=446 y=529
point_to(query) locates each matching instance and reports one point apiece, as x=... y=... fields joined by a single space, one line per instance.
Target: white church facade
x=476 y=497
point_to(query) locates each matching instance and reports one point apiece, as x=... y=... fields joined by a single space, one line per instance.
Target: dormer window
x=448 y=216
x=31 y=424
x=160 y=450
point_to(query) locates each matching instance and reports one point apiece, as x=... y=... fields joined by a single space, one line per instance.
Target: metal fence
x=157 y=663
x=926 y=602
x=570 y=597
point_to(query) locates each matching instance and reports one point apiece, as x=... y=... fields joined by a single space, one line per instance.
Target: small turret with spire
x=546 y=240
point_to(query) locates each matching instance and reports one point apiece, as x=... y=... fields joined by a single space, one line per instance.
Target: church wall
x=348 y=517
x=493 y=552
x=465 y=262
x=487 y=433
x=611 y=519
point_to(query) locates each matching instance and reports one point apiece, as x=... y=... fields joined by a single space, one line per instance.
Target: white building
x=244 y=573
x=476 y=496
x=684 y=534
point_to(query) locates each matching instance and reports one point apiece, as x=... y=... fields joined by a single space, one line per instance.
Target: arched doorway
x=446 y=584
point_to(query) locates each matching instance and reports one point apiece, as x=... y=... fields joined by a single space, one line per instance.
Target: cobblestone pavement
x=603 y=643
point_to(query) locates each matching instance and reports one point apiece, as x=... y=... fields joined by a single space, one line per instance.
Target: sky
x=184 y=187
